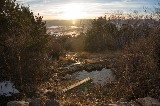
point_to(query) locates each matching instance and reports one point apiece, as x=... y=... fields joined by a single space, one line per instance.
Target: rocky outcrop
x=36 y=102
x=18 y=103
x=51 y=103
x=48 y=102
x=147 y=101
x=98 y=65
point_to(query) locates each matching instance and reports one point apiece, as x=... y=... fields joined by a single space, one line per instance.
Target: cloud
x=93 y=8
x=24 y=1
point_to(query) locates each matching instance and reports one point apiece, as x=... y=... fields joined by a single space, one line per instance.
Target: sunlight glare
x=73 y=22
x=73 y=11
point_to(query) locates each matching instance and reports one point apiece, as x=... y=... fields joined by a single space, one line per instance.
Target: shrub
x=101 y=35
x=137 y=68
x=24 y=45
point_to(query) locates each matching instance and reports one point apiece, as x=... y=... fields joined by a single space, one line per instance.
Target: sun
x=73 y=11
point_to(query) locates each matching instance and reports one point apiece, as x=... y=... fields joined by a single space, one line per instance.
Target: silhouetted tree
x=23 y=44
x=101 y=36
x=125 y=35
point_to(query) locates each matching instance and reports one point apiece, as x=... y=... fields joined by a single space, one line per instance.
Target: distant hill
x=78 y=22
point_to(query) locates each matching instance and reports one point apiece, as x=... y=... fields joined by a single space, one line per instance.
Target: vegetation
x=24 y=45
x=137 y=66
x=101 y=36
x=137 y=69
x=27 y=51
x=136 y=42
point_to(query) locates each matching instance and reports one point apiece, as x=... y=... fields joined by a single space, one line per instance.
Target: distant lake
x=64 y=30
x=55 y=27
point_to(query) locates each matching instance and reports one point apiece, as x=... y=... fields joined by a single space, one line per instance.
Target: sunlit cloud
x=64 y=9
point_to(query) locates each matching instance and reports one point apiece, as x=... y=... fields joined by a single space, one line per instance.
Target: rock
x=134 y=103
x=148 y=101
x=36 y=102
x=51 y=103
x=115 y=104
x=123 y=102
x=68 y=76
x=28 y=100
x=18 y=103
x=51 y=95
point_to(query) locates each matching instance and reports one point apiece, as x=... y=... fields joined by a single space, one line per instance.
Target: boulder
x=51 y=103
x=123 y=102
x=36 y=102
x=18 y=103
x=148 y=101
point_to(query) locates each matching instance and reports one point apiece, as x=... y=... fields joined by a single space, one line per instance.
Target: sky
x=84 y=9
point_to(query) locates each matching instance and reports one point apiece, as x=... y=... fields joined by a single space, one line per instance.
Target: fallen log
x=59 y=92
x=76 y=84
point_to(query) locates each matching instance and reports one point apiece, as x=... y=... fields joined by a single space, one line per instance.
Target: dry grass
x=137 y=69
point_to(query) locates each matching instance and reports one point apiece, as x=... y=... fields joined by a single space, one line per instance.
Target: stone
x=123 y=102
x=115 y=104
x=148 y=101
x=134 y=103
x=50 y=94
x=18 y=103
x=51 y=103
x=36 y=102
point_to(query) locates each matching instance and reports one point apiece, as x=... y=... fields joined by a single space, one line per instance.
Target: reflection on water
x=64 y=30
x=101 y=77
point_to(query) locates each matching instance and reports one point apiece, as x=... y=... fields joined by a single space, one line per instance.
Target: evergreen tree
x=101 y=36
x=23 y=44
